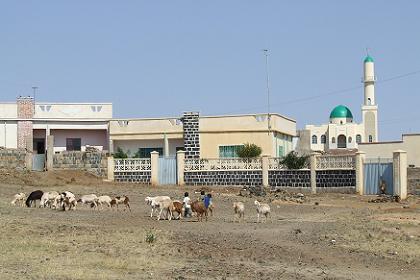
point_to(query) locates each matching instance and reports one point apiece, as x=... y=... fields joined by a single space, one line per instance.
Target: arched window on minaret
x=323 y=139
x=369 y=101
x=358 y=138
x=314 y=139
x=333 y=140
x=370 y=139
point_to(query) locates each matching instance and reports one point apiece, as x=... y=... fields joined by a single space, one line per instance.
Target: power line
x=335 y=92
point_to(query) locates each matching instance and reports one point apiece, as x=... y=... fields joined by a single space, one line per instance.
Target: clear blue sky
x=160 y=58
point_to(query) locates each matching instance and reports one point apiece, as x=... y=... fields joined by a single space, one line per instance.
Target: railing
x=275 y=164
x=132 y=165
x=335 y=162
x=223 y=164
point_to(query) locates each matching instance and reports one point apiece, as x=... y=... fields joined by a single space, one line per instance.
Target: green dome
x=368 y=58
x=341 y=111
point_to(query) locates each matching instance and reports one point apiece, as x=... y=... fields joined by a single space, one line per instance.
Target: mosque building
x=342 y=132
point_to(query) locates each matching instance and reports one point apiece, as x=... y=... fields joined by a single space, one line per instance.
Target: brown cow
x=199 y=208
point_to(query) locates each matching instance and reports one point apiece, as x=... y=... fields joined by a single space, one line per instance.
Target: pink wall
x=97 y=138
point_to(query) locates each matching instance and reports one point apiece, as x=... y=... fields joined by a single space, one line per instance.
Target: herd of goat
x=163 y=205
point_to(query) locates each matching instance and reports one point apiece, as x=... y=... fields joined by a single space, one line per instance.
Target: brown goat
x=199 y=208
x=177 y=207
x=121 y=200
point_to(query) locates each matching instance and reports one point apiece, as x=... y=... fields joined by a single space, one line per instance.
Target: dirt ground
x=330 y=236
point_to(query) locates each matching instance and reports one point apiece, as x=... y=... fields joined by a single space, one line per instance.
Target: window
x=369 y=101
x=314 y=139
x=73 y=144
x=333 y=140
x=358 y=138
x=323 y=139
x=341 y=142
x=145 y=152
x=341 y=122
x=350 y=139
x=370 y=139
x=280 y=152
x=229 y=151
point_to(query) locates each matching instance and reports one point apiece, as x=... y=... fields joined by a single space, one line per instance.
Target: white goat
x=48 y=198
x=165 y=204
x=89 y=199
x=104 y=199
x=154 y=202
x=65 y=199
x=239 y=209
x=19 y=197
x=262 y=209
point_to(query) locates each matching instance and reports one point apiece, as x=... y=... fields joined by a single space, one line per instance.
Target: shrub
x=150 y=237
x=293 y=161
x=249 y=151
x=120 y=154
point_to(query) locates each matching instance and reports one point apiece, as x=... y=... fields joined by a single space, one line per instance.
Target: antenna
x=268 y=89
x=367 y=51
x=34 y=88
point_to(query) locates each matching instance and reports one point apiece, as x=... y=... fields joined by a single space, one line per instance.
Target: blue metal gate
x=167 y=171
x=376 y=170
x=38 y=162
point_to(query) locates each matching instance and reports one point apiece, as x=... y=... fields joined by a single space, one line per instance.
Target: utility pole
x=268 y=90
x=34 y=88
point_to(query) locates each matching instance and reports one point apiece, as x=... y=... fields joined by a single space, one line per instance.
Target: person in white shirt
x=187 y=205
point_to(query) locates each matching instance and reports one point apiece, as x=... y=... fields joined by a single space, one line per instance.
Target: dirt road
x=343 y=237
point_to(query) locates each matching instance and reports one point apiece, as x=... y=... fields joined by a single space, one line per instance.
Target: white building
x=342 y=132
x=73 y=125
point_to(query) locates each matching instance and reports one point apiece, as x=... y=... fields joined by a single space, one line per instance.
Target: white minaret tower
x=369 y=108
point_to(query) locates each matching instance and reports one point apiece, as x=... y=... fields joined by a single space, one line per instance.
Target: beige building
x=410 y=143
x=206 y=137
x=342 y=132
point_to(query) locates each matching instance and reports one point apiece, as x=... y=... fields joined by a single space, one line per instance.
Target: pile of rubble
x=385 y=198
x=289 y=196
x=249 y=191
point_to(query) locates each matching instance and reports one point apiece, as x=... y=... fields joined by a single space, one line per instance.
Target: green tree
x=249 y=151
x=120 y=154
x=293 y=161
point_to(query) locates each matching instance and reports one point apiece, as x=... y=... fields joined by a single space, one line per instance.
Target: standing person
x=208 y=203
x=187 y=205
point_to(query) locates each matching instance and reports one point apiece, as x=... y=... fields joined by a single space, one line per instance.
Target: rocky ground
x=326 y=236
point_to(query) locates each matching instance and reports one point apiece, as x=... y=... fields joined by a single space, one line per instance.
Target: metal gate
x=376 y=170
x=38 y=162
x=167 y=171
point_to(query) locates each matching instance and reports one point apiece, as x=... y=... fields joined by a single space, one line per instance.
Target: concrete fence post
x=313 y=172
x=154 y=161
x=110 y=168
x=28 y=160
x=180 y=161
x=264 y=164
x=50 y=152
x=360 y=179
x=400 y=173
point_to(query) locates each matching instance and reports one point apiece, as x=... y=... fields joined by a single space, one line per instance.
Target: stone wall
x=335 y=178
x=224 y=178
x=413 y=178
x=143 y=177
x=94 y=162
x=289 y=178
x=190 y=122
x=13 y=159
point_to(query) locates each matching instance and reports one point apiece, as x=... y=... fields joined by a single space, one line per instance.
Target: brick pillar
x=313 y=173
x=154 y=161
x=360 y=160
x=180 y=161
x=400 y=173
x=264 y=164
x=190 y=122
x=25 y=113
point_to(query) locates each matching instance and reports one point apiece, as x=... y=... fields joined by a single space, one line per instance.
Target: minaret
x=369 y=108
